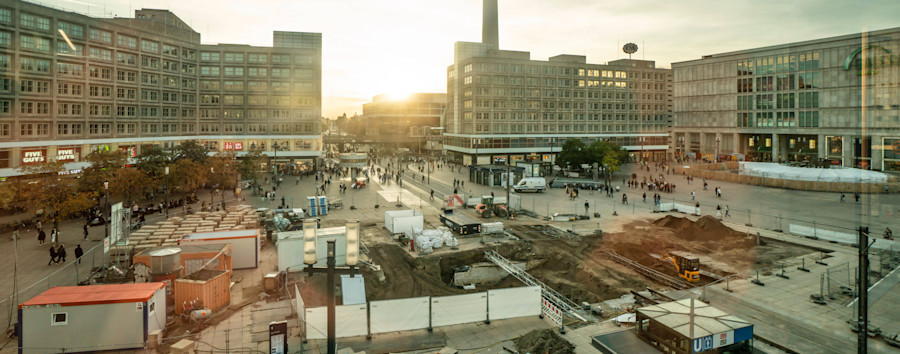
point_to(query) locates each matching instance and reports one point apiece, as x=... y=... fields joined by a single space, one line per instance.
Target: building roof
x=222 y=235
x=708 y=320
x=95 y=294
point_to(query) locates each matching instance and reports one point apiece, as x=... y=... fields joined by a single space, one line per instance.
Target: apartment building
x=72 y=84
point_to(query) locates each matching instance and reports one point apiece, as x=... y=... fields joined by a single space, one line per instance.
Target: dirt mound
x=541 y=341
x=707 y=230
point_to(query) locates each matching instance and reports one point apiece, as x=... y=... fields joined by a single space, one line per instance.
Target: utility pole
x=509 y=181
x=167 y=193
x=862 y=324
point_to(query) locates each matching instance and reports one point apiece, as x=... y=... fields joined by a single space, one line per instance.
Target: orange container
x=212 y=287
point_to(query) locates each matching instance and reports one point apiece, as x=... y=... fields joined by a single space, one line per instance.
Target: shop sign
x=65 y=154
x=32 y=156
x=879 y=57
x=237 y=145
x=229 y=146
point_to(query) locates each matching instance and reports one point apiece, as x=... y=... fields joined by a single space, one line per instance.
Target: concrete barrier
x=723 y=171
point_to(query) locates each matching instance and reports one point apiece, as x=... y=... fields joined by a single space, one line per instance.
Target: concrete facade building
x=502 y=102
x=413 y=122
x=72 y=84
x=834 y=100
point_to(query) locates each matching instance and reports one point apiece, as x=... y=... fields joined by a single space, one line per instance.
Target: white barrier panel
x=687 y=209
x=300 y=307
x=840 y=237
x=514 y=302
x=456 y=309
x=350 y=321
x=398 y=315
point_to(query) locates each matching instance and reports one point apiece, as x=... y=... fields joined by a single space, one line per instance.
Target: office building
x=833 y=100
x=412 y=122
x=73 y=84
x=502 y=102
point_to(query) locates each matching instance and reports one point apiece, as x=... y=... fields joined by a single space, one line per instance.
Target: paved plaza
x=781 y=309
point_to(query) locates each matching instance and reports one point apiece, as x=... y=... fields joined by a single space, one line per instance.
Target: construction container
x=74 y=319
x=245 y=244
x=211 y=287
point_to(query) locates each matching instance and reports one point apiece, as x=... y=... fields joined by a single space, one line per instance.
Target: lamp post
x=310 y=259
x=167 y=192
x=106 y=209
x=275 y=164
x=718 y=139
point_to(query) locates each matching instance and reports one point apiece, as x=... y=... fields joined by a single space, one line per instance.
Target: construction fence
x=387 y=316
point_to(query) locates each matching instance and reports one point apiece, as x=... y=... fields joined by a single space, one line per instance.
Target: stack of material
x=492 y=228
x=427 y=240
x=167 y=233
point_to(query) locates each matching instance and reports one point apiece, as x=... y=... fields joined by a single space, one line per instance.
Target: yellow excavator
x=687 y=266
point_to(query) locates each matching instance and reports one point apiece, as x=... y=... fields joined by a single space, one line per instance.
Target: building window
x=32 y=21
x=59 y=318
x=126 y=41
x=149 y=46
x=101 y=36
x=209 y=56
x=71 y=30
x=5 y=15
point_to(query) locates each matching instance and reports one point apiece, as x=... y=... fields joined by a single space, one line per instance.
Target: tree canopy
x=575 y=153
x=54 y=193
x=153 y=161
x=191 y=150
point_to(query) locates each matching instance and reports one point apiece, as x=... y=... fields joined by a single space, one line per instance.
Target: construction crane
x=687 y=266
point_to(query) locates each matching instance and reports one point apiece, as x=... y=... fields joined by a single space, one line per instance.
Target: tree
x=153 y=162
x=190 y=150
x=130 y=184
x=9 y=192
x=186 y=175
x=573 y=154
x=250 y=164
x=607 y=154
x=57 y=196
x=223 y=168
x=103 y=166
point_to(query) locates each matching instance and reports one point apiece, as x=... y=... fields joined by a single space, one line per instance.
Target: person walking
x=719 y=212
x=726 y=211
x=586 y=207
x=85 y=228
x=61 y=253
x=842 y=197
x=78 y=253
x=41 y=236
x=52 y=255
x=624 y=198
x=856 y=195
x=693 y=196
x=54 y=235
x=645 y=197
x=432 y=194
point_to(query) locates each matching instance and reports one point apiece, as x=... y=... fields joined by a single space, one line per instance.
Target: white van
x=531 y=184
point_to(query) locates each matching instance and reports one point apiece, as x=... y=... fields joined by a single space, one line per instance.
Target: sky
x=398 y=47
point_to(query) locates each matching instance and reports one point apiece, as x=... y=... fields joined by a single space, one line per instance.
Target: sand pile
x=542 y=341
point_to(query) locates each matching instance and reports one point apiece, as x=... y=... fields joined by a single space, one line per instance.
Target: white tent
x=838 y=174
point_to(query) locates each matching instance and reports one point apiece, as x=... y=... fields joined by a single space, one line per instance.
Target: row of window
x=564 y=71
x=545 y=105
x=255 y=58
x=807 y=119
x=499 y=116
x=255 y=72
x=256 y=85
x=40 y=108
x=552 y=142
x=778 y=64
x=523 y=81
x=783 y=82
x=779 y=101
x=43 y=129
x=592 y=94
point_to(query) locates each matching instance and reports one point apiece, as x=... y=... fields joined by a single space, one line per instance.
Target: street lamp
x=106 y=209
x=167 y=193
x=718 y=139
x=275 y=163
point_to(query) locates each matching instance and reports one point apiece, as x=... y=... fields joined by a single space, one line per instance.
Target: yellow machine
x=687 y=266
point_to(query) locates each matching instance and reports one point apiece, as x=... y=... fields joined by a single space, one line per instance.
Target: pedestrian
x=41 y=236
x=719 y=212
x=856 y=195
x=693 y=196
x=842 y=197
x=54 y=236
x=432 y=194
x=85 y=228
x=52 y=255
x=624 y=198
x=726 y=211
x=697 y=209
x=645 y=197
x=455 y=191
x=61 y=253
x=78 y=253
x=586 y=207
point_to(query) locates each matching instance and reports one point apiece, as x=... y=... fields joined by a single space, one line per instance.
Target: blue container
x=312 y=206
x=323 y=205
